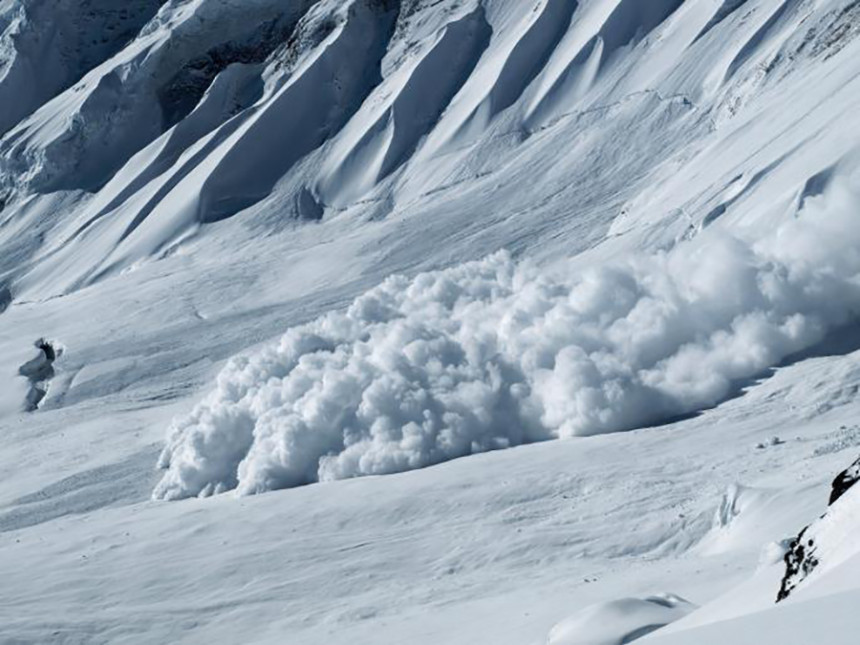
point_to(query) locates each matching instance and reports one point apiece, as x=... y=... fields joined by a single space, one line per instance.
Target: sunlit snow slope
x=474 y=225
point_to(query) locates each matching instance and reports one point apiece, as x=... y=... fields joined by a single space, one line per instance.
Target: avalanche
x=491 y=354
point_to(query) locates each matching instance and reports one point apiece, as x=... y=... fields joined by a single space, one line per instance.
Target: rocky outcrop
x=801 y=559
x=844 y=480
x=824 y=539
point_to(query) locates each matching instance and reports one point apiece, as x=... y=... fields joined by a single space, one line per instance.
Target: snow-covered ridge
x=48 y=45
x=809 y=604
x=619 y=622
x=307 y=109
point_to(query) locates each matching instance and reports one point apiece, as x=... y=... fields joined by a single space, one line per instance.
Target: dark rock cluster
x=802 y=557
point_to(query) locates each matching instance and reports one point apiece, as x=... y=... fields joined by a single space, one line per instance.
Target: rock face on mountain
x=800 y=561
x=39 y=371
x=830 y=539
x=844 y=481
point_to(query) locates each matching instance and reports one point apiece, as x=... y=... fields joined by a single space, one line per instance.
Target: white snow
x=599 y=215
x=747 y=614
x=619 y=621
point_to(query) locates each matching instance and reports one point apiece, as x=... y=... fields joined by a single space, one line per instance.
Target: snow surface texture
x=620 y=621
x=822 y=562
x=491 y=354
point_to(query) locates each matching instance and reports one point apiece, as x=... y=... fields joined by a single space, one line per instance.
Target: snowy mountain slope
x=676 y=184
x=48 y=46
x=477 y=145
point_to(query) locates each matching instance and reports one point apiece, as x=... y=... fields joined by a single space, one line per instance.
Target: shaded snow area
x=492 y=354
x=619 y=621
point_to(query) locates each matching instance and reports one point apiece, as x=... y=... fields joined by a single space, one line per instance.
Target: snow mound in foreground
x=619 y=621
x=491 y=354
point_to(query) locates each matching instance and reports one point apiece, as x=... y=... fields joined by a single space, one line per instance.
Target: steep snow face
x=47 y=45
x=82 y=137
x=517 y=113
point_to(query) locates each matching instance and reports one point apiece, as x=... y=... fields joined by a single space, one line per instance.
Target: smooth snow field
x=523 y=322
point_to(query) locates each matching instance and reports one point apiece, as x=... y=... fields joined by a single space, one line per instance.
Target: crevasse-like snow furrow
x=363 y=155
x=761 y=36
x=313 y=106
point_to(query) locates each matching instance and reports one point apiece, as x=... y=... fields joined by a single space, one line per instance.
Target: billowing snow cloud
x=492 y=354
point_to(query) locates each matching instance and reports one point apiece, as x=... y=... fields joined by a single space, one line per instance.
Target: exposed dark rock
x=5 y=298
x=802 y=556
x=307 y=206
x=800 y=561
x=187 y=87
x=844 y=480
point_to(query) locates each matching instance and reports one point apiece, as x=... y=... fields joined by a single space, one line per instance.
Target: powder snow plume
x=492 y=354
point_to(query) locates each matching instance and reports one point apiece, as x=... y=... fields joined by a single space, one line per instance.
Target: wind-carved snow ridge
x=589 y=52
x=45 y=46
x=492 y=354
x=367 y=154
x=310 y=108
x=619 y=621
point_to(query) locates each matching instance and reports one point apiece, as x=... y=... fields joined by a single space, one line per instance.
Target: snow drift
x=492 y=354
x=619 y=621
